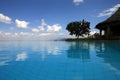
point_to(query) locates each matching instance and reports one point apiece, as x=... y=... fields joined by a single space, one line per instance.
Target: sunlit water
x=59 y=60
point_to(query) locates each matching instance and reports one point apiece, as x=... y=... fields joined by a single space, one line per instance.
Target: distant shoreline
x=85 y=39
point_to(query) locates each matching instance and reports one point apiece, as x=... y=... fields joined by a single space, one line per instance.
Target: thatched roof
x=111 y=21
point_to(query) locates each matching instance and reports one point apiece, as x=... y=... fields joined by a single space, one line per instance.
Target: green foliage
x=79 y=28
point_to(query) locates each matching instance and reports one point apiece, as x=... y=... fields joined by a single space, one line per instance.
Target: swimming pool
x=59 y=60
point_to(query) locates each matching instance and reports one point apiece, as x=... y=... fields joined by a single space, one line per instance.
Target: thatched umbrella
x=113 y=23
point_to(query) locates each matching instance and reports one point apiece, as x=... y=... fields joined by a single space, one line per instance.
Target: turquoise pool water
x=59 y=60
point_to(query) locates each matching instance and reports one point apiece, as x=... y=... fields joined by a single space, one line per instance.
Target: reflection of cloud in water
x=21 y=57
x=49 y=51
x=4 y=59
x=54 y=51
x=46 y=48
x=100 y=47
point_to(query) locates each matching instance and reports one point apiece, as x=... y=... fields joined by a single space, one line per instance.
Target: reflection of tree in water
x=79 y=50
x=110 y=52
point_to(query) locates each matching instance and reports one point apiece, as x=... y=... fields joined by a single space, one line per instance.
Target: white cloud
x=77 y=2
x=7 y=33
x=45 y=34
x=42 y=26
x=109 y=11
x=23 y=34
x=33 y=36
x=54 y=28
x=35 y=30
x=5 y=19
x=15 y=34
x=21 y=57
x=93 y=32
x=21 y=24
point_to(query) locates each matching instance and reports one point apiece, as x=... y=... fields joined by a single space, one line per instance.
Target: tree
x=79 y=28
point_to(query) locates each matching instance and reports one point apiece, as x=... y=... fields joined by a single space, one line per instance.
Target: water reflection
x=20 y=50
x=110 y=52
x=5 y=58
x=46 y=48
x=79 y=50
x=4 y=61
x=21 y=56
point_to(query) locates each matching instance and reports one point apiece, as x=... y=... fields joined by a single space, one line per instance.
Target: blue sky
x=51 y=16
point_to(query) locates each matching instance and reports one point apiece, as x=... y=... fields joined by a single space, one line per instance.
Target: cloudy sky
x=49 y=17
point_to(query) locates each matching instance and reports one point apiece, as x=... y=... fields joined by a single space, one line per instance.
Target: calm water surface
x=59 y=60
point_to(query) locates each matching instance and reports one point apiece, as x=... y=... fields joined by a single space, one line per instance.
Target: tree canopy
x=79 y=28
